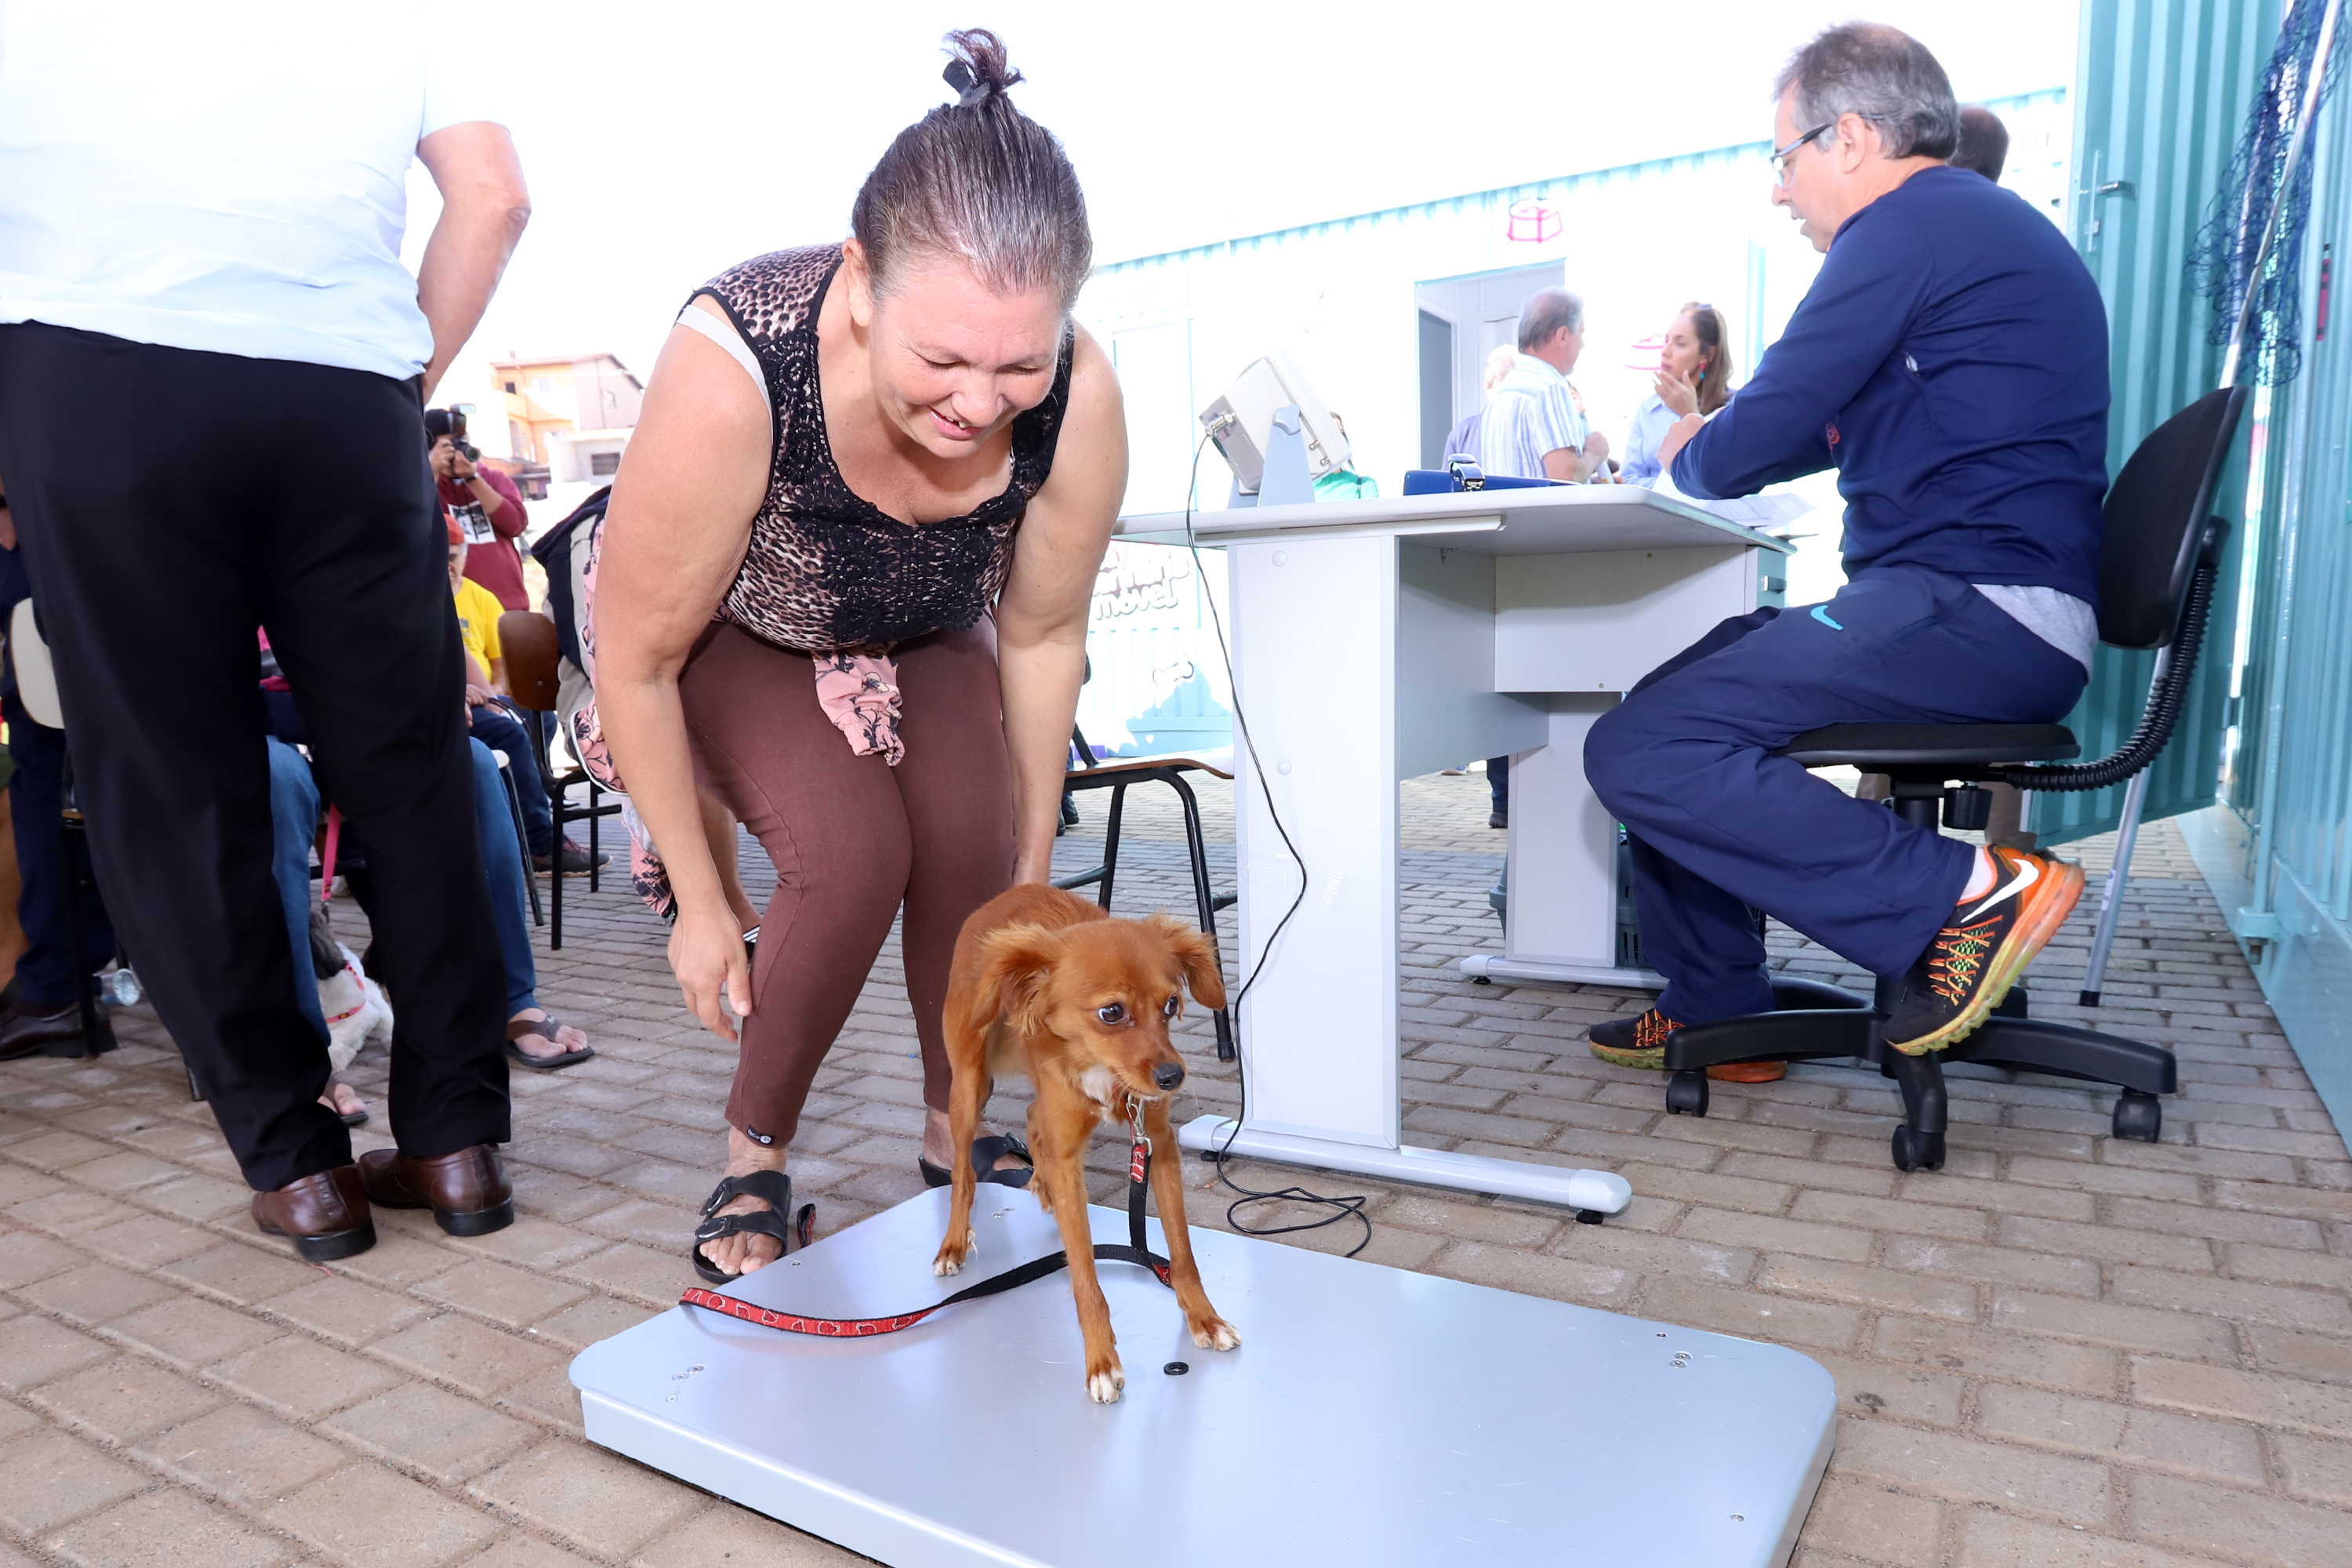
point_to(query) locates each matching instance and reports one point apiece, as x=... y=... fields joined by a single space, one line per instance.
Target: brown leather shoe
x=467 y=1192
x=325 y=1214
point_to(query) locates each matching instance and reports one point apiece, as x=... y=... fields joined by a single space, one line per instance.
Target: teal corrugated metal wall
x=2289 y=879
x=2162 y=86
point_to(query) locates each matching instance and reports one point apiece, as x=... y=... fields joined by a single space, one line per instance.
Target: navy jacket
x=1950 y=362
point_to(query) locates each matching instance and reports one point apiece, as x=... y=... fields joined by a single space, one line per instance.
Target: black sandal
x=773 y=1187
x=985 y=1152
x=545 y=1027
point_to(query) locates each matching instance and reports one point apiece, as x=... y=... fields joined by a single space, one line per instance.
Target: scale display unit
x=1371 y=1416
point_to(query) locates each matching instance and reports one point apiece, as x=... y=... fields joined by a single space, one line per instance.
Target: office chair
x=2158 y=560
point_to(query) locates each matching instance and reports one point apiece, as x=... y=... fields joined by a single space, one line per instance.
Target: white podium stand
x=1376 y=641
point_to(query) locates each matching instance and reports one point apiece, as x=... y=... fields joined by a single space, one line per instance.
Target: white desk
x=1376 y=641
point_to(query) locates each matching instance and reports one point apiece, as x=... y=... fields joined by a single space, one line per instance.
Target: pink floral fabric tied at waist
x=858 y=689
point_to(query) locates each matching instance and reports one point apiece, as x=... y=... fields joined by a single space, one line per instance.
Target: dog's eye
x=1168 y=1009
x=1114 y=1013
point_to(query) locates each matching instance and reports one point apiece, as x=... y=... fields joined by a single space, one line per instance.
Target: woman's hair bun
x=979 y=69
x=978 y=181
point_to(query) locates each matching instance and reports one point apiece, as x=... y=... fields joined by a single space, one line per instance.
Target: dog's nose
x=1167 y=1075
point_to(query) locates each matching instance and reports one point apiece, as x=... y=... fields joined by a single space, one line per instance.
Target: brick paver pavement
x=2059 y=1350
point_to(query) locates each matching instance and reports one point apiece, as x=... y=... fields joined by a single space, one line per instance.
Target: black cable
x=1349 y=1207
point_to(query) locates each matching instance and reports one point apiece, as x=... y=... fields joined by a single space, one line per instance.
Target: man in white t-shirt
x=212 y=374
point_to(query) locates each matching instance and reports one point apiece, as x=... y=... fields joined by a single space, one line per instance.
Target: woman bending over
x=844 y=587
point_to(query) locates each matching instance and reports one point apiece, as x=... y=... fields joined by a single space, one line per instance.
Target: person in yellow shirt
x=477 y=627
x=478 y=610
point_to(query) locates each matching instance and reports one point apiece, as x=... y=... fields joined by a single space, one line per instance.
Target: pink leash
x=327 y=870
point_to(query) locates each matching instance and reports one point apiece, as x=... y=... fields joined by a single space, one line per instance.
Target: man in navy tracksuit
x=1951 y=363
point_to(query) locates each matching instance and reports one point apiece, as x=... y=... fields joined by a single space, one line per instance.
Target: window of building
x=510 y=387
x=604 y=463
x=542 y=383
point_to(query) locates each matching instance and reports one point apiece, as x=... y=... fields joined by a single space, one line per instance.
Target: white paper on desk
x=1759 y=512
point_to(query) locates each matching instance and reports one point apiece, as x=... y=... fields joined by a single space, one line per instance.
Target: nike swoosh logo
x=2028 y=873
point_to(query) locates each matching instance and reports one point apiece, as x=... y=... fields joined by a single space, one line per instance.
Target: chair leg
x=594 y=874
x=554 y=897
x=1918 y=1143
x=522 y=842
x=1206 y=899
x=1110 y=845
x=97 y=1033
x=2111 y=903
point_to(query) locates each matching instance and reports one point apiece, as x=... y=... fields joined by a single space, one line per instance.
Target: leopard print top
x=828 y=571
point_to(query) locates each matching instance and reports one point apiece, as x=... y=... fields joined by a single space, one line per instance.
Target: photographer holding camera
x=486 y=506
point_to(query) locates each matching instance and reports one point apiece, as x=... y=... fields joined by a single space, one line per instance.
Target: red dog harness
x=1138 y=1174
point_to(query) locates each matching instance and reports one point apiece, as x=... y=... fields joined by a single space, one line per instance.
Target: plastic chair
x=2160 y=555
x=528 y=640
x=36 y=687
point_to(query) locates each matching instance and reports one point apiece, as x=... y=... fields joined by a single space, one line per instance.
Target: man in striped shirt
x=1533 y=429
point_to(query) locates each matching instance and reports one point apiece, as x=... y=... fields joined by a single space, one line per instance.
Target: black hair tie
x=970 y=90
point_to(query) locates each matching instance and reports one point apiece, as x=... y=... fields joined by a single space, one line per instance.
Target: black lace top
x=826 y=570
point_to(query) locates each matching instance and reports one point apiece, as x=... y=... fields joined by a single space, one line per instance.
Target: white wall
x=1339 y=297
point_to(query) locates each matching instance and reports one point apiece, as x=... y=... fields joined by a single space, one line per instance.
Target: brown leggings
x=851 y=837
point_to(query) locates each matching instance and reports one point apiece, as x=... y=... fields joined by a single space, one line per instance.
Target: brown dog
x=1045 y=985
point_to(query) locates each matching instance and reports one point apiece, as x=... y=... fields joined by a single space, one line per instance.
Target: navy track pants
x=1721 y=826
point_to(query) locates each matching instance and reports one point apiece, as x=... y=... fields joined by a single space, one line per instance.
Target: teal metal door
x=2161 y=89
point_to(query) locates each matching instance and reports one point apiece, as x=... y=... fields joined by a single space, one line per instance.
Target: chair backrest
x=36 y=679
x=2156 y=514
x=528 y=640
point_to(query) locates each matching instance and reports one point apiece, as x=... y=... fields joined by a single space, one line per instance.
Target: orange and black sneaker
x=1982 y=949
x=1634 y=1042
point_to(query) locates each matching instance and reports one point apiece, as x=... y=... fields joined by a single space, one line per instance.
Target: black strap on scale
x=1138 y=1176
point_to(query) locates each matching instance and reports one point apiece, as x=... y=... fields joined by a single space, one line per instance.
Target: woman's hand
x=1676 y=437
x=1675 y=392
x=707 y=955
x=674 y=532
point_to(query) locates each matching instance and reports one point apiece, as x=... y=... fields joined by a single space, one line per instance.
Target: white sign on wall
x=1160 y=683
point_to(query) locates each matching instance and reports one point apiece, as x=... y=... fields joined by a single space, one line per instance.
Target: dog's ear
x=326 y=958
x=1015 y=962
x=1197 y=954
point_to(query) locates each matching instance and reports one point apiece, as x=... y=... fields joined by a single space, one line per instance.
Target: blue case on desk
x=1464 y=475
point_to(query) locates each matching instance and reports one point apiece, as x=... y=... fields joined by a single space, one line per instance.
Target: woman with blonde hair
x=1694 y=377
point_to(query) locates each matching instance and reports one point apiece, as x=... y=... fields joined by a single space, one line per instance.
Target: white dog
x=358 y=1014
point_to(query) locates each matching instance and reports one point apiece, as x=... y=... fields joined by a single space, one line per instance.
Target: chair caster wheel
x=1590 y=1216
x=1686 y=1092
x=1918 y=1151
x=2139 y=1115
x=1480 y=980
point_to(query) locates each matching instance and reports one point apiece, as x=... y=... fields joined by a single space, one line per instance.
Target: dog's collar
x=351 y=1012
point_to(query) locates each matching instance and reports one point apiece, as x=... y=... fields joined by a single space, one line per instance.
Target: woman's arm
x=1040 y=619
x=675 y=534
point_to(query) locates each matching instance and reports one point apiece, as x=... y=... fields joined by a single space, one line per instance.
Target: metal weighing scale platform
x=1371 y=1417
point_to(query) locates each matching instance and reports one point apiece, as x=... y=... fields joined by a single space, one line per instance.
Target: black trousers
x=169 y=502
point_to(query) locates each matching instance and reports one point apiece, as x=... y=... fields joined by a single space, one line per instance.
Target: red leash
x=1139 y=1172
